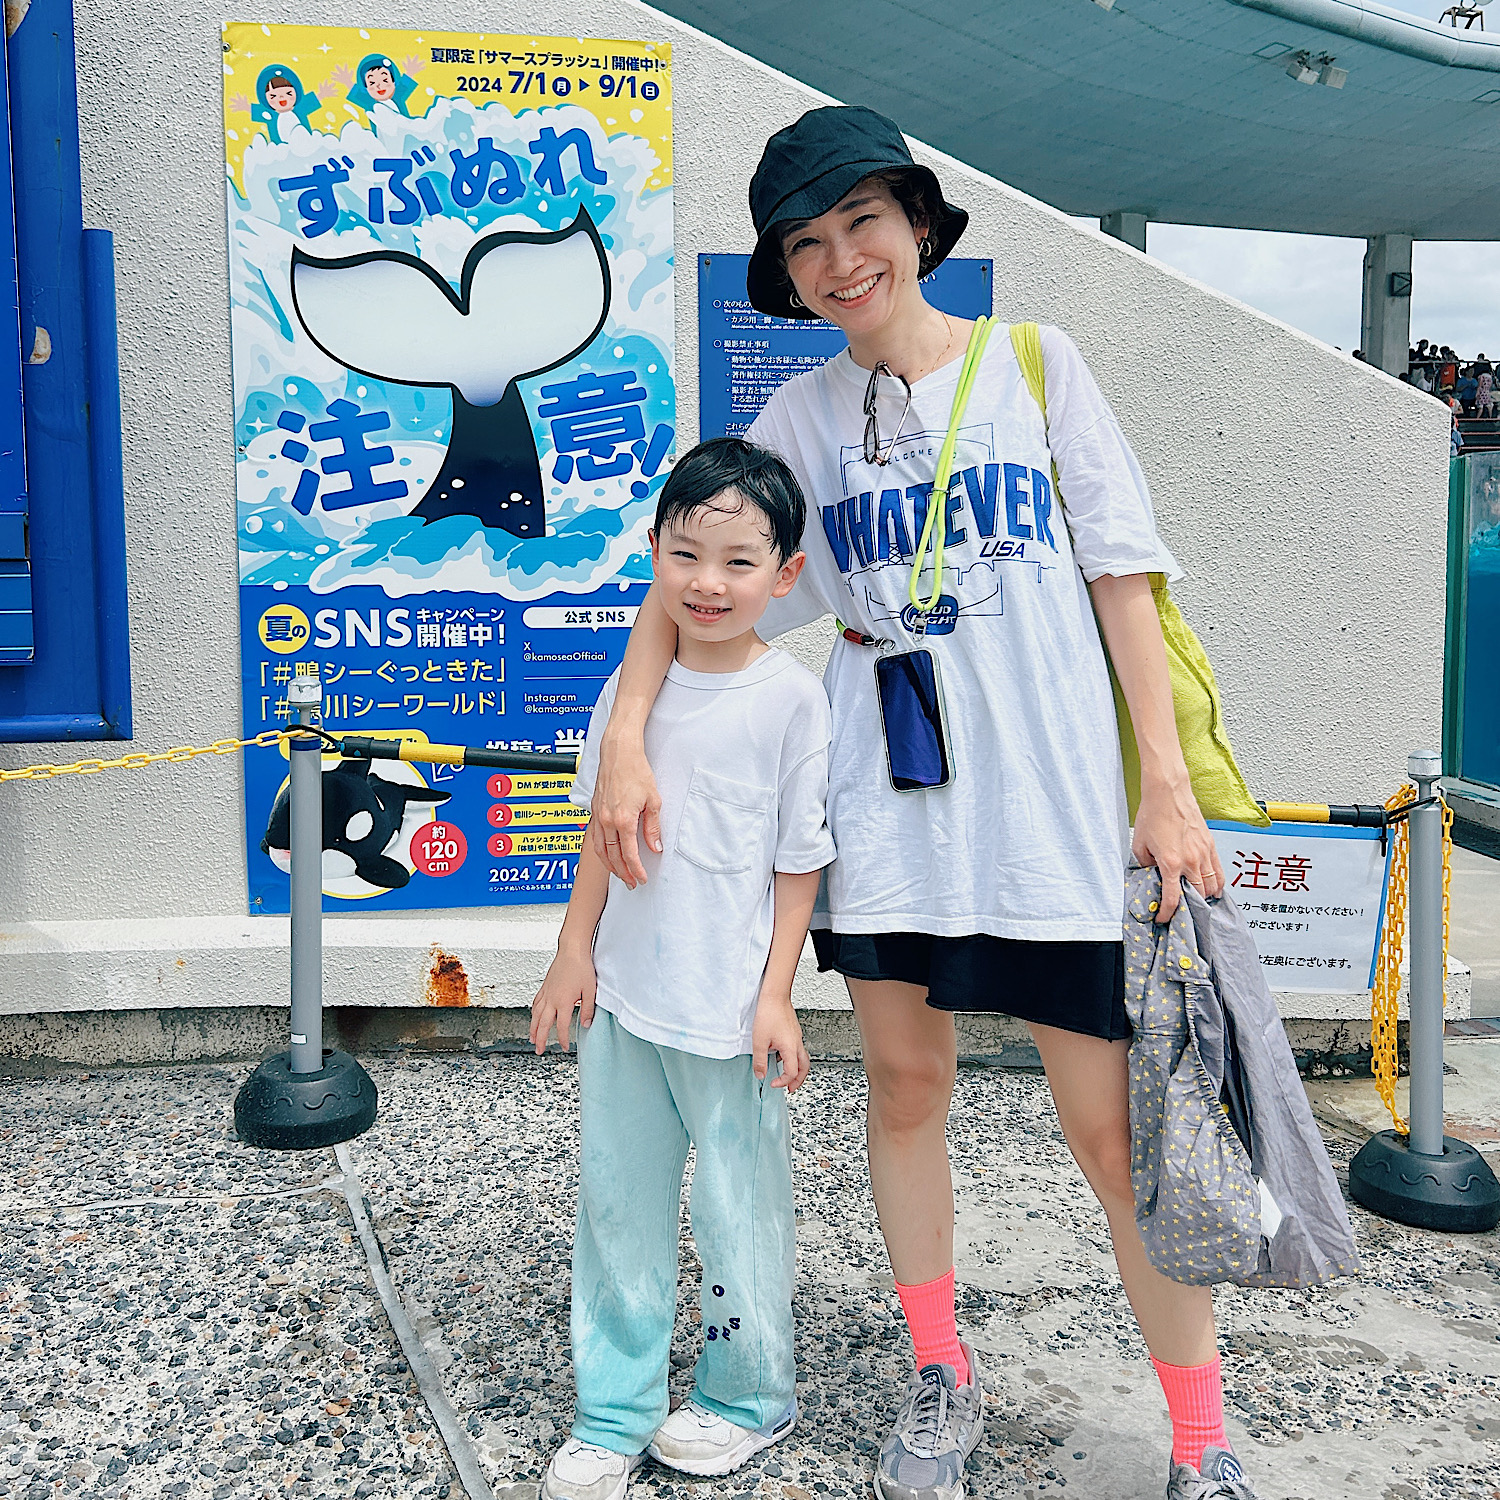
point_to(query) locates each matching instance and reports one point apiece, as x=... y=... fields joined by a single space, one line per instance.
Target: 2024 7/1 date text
x=609 y=85
x=538 y=872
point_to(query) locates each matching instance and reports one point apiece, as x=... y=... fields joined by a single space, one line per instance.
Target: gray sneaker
x=938 y=1427
x=1220 y=1478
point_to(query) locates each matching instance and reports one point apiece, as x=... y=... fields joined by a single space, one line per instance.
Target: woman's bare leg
x=911 y=1060
x=1090 y=1087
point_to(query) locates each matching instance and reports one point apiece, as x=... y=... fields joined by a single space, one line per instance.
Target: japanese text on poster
x=1313 y=896
x=451 y=281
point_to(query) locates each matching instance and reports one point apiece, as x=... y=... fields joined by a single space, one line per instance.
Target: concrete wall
x=1304 y=493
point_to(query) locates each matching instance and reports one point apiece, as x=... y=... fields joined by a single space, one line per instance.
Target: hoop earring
x=926 y=248
x=796 y=301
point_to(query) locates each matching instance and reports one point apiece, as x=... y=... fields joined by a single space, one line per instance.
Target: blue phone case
x=909 y=691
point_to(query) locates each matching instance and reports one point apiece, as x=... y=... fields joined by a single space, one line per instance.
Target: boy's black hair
x=761 y=478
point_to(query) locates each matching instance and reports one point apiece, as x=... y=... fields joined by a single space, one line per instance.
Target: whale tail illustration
x=527 y=302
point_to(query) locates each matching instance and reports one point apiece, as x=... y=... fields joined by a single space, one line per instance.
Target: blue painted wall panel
x=12 y=442
x=17 y=639
x=77 y=687
x=15 y=612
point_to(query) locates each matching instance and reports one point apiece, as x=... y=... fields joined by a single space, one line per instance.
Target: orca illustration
x=362 y=815
x=528 y=302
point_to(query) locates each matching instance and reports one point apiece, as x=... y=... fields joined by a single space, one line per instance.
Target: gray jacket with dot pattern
x=1232 y=1181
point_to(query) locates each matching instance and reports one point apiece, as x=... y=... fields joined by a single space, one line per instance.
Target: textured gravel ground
x=183 y=1316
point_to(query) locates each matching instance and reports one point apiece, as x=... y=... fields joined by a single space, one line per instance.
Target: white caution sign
x=1313 y=896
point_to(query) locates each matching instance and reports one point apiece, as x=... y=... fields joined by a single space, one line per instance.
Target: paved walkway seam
x=210 y=1200
x=460 y=1450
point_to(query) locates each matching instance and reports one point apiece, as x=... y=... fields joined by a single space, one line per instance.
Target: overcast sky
x=1313 y=281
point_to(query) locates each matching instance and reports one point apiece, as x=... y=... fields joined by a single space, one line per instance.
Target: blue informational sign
x=743 y=355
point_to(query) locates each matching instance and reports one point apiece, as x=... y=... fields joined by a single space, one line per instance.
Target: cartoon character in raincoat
x=281 y=104
x=378 y=81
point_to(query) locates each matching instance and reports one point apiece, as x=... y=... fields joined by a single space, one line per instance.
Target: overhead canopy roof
x=1181 y=109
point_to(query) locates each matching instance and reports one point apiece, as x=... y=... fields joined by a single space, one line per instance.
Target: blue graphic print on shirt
x=996 y=512
x=867 y=528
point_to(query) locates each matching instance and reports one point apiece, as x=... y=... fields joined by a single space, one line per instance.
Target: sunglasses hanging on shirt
x=908 y=684
x=873 y=454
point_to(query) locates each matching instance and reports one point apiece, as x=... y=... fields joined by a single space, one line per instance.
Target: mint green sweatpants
x=641 y=1106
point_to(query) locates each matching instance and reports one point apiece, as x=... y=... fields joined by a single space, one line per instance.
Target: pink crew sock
x=932 y=1324
x=1195 y=1399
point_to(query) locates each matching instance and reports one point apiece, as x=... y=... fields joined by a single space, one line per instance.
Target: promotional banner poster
x=743 y=355
x=1313 y=896
x=451 y=282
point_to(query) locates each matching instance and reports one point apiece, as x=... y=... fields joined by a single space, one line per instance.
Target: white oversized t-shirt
x=1028 y=840
x=741 y=762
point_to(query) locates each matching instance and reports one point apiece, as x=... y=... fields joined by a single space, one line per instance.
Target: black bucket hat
x=809 y=167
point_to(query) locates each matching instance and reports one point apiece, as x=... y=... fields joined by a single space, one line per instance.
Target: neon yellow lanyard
x=937 y=501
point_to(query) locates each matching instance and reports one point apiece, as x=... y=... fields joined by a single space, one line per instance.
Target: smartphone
x=910 y=694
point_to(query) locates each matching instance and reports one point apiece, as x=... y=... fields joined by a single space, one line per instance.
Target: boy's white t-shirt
x=1029 y=838
x=741 y=762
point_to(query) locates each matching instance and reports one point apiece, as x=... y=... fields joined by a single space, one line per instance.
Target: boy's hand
x=570 y=985
x=778 y=1030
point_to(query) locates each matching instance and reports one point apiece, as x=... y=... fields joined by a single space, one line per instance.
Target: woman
x=1003 y=890
x=1484 y=392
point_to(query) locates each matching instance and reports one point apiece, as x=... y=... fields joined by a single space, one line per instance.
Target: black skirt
x=1073 y=986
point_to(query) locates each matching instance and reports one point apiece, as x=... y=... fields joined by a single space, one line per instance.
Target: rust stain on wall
x=447 y=980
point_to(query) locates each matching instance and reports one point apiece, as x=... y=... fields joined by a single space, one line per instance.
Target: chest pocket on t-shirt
x=724 y=822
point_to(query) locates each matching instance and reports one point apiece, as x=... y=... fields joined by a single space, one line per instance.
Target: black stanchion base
x=1455 y=1193
x=287 y=1111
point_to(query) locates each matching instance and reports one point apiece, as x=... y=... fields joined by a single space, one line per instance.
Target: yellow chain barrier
x=1383 y=998
x=141 y=759
x=1387 y=990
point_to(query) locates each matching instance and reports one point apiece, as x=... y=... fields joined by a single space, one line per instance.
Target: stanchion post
x=1425 y=1178
x=305 y=698
x=305 y=1097
x=1425 y=984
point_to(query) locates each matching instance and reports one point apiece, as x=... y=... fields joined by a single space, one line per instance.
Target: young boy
x=691 y=974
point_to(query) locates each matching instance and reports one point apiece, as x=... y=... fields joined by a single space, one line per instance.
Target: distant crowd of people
x=1470 y=383
x=1465 y=387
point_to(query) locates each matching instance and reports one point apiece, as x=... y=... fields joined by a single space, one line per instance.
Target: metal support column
x=304 y=1097
x=1126 y=226
x=1424 y=919
x=1385 y=318
x=305 y=698
x=1426 y=1178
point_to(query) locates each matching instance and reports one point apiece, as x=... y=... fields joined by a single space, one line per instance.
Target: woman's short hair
x=908 y=189
x=756 y=476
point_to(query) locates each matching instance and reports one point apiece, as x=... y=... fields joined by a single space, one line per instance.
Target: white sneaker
x=580 y=1471
x=696 y=1441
